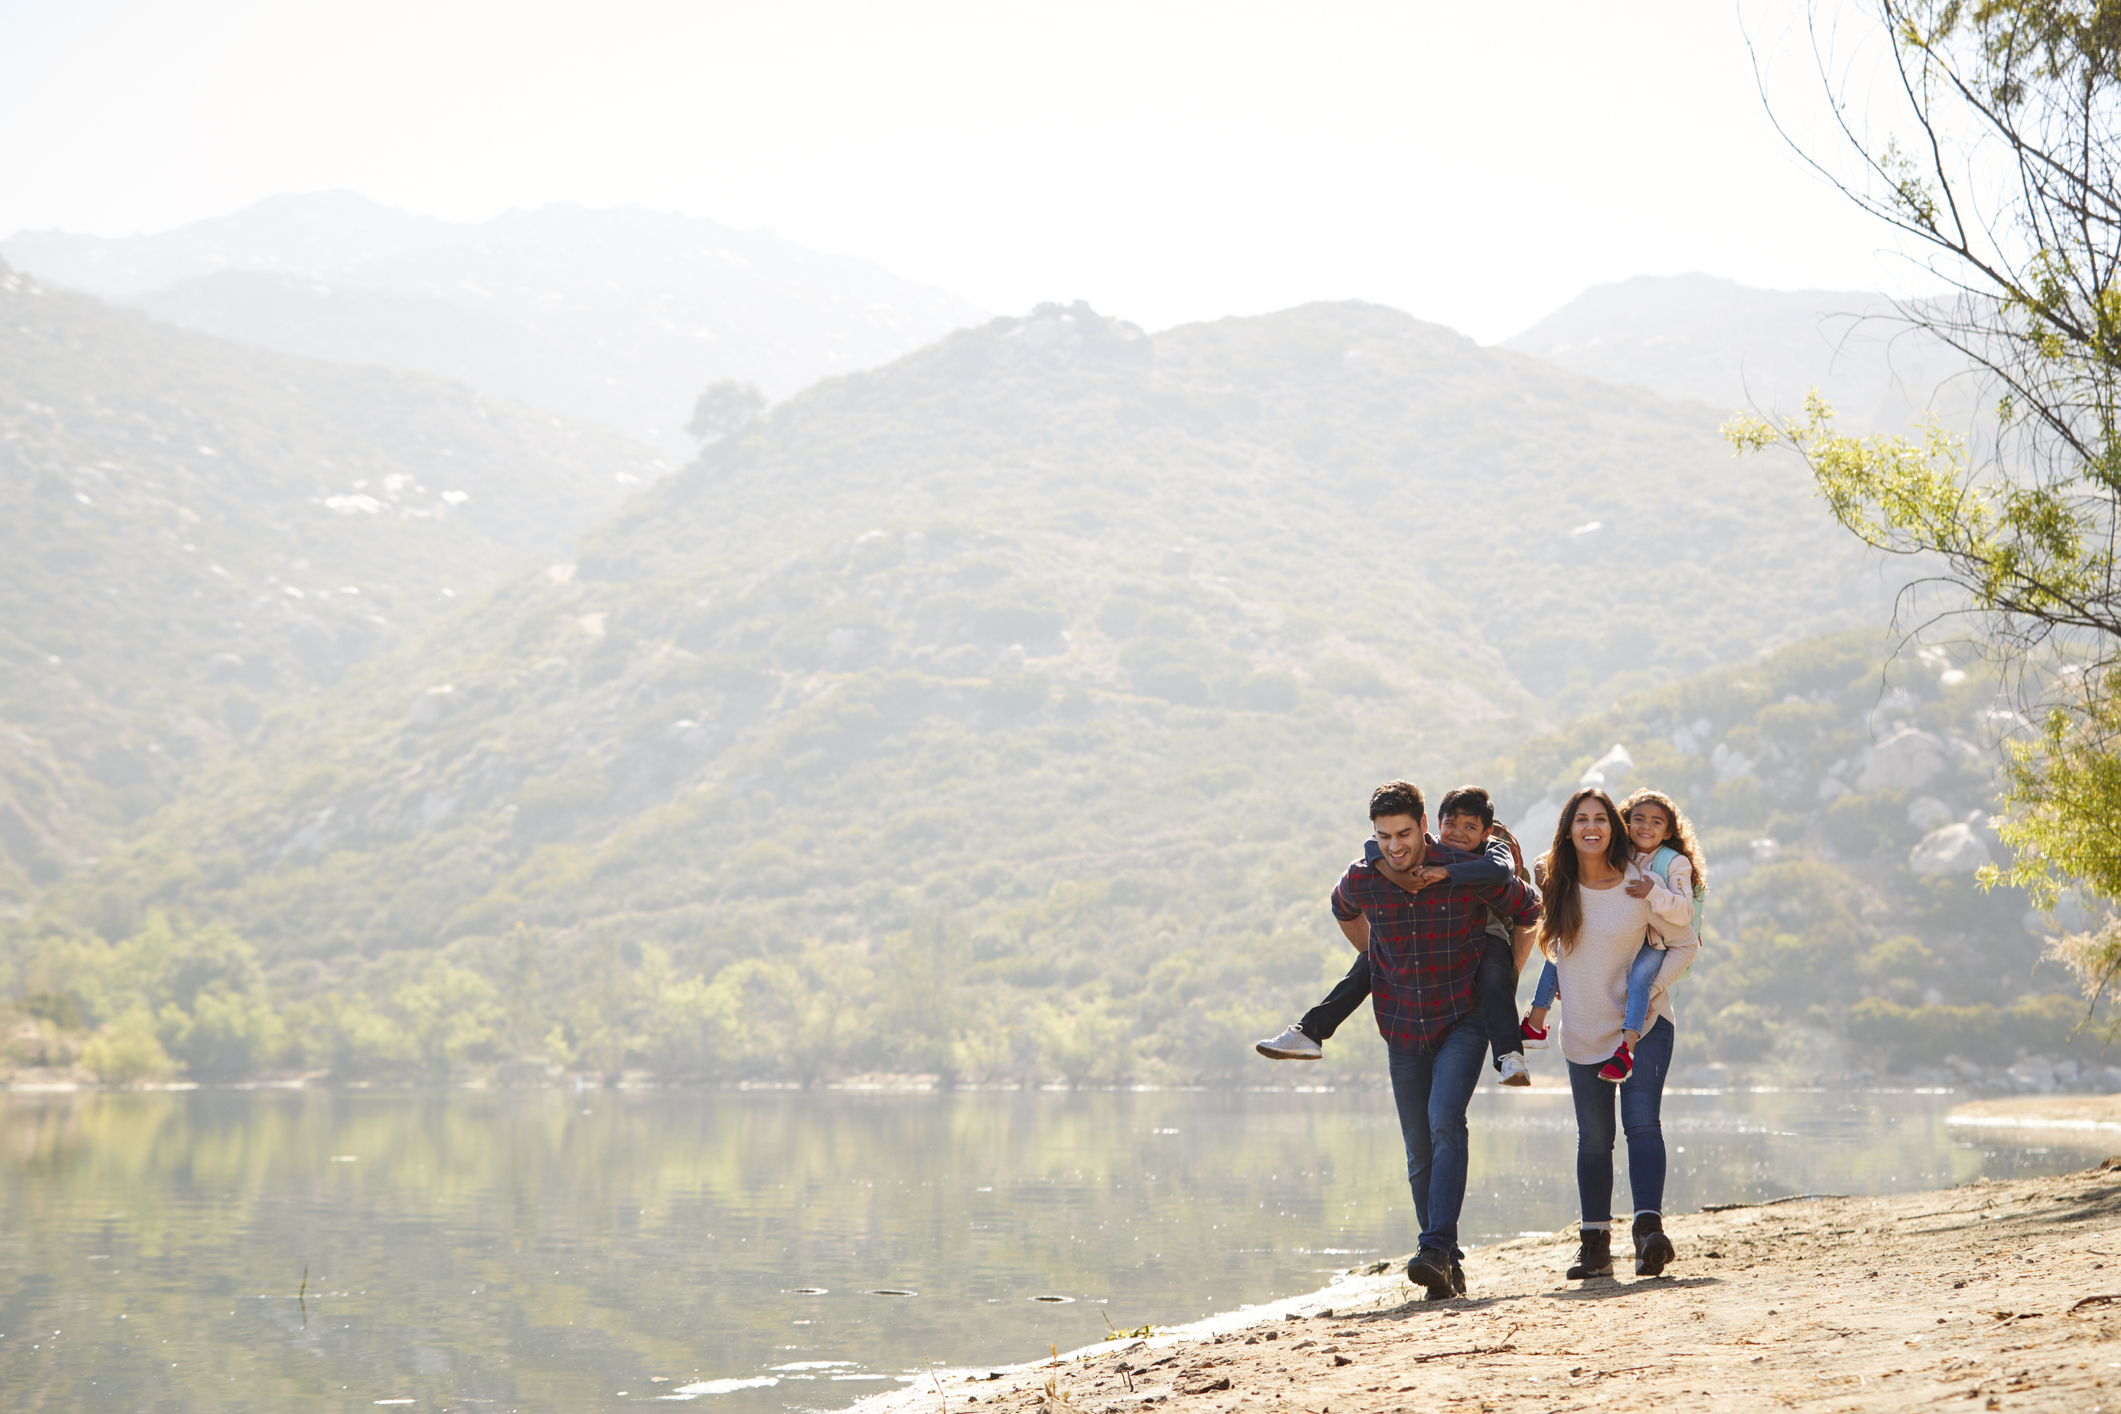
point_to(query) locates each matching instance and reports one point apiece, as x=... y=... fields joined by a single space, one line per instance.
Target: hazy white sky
x=1476 y=164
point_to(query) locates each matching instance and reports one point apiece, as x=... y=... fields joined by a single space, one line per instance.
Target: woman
x=1597 y=912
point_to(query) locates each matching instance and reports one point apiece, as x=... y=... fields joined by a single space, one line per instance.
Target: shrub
x=127 y=1050
x=1745 y=1031
x=1870 y=824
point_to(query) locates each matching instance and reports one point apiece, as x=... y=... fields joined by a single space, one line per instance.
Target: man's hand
x=1639 y=886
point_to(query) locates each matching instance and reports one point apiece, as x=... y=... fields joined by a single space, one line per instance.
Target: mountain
x=193 y=532
x=1734 y=347
x=1028 y=688
x=620 y=316
x=310 y=233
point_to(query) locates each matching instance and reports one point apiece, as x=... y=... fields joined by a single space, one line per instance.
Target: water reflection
x=539 y=1250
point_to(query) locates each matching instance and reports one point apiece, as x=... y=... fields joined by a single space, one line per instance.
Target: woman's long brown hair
x=1562 y=915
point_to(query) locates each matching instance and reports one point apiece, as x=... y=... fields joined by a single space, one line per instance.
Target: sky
x=1477 y=165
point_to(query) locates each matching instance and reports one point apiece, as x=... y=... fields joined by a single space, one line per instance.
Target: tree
x=725 y=407
x=1992 y=144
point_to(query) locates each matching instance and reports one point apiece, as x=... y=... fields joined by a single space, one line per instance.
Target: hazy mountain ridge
x=1736 y=347
x=618 y=315
x=1081 y=645
x=195 y=531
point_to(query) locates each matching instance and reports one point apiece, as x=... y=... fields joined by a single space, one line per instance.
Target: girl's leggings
x=1642 y=975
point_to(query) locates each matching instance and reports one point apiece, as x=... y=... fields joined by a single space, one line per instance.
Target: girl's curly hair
x=1680 y=837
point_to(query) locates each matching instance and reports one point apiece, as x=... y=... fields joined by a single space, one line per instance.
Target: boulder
x=430 y=707
x=2035 y=1073
x=1907 y=759
x=1537 y=826
x=1609 y=767
x=1926 y=812
x=1955 y=849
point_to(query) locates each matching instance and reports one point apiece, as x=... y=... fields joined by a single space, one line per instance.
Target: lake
x=275 y=1250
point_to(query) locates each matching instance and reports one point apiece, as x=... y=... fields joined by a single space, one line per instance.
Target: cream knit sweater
x=1594 y=973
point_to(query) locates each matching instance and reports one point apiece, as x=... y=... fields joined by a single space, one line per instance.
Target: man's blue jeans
x=1432 y=1089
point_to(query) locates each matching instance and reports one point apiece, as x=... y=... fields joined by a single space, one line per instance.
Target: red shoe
x=1535 y=1038
x=1620 y=1067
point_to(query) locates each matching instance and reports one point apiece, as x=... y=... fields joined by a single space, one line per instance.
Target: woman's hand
x=1639 y=886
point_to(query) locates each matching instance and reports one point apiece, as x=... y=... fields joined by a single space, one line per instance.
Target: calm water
x=548 y=1251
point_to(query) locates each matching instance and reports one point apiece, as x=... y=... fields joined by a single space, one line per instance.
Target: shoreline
x=1887 y=1085
x=2091 y=1117
x=2005 y=1291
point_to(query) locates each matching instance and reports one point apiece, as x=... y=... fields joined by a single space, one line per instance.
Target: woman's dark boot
x=1652 y=1248
x=1594 y=1254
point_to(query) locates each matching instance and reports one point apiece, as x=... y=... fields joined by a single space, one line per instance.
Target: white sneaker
x=1514 y=1071
x=1291 y=1044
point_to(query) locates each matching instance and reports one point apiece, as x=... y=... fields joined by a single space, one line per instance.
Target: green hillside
x=1843 y=798
x=1006 y=710
x=194 y=533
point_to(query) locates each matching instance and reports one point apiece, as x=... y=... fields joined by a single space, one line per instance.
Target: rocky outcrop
x=1955 y=849
x=1906 y=760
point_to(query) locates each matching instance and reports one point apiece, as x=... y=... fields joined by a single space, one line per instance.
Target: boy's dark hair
x=1398 y=798
x=1467 y=800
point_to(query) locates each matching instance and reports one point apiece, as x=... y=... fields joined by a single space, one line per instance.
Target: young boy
x=1466 y=821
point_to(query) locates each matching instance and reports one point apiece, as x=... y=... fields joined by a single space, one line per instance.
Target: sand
x=2085 y=1119
x=1997 y=1295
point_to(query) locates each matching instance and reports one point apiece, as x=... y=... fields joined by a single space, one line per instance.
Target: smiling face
x=1591 y=827
x=1464 y=832
x=1649 y=826
x=1399 y=836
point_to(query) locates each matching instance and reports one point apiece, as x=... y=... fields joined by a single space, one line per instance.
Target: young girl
x=1664 y=848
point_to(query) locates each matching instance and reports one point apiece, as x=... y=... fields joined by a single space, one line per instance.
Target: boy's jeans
x=1496 y=984
x=1432 y=1089
x=1321 y=1021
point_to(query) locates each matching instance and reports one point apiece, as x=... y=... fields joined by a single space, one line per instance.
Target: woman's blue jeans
x=1641 y=1101
x=1432 y=1089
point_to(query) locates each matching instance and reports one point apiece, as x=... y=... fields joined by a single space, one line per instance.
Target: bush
x=1272 y=691
x=1744 y=1031
x=127 y=1050
x=1870 y=824
x=1919 y=1035
x=1346 y=677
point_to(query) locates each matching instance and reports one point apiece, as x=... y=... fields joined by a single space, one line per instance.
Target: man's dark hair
x=1467 y=800
x=1398 y=798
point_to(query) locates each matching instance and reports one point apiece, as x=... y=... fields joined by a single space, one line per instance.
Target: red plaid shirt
x=1425 y=947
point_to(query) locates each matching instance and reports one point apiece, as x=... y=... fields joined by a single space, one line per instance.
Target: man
x=1424 y=942
x=1467 y=824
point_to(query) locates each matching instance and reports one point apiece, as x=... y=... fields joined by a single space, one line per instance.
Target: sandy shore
x=1991 y=1296
x=2088 y=1119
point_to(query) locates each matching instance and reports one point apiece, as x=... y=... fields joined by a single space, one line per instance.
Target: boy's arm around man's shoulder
x=1495 y=862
